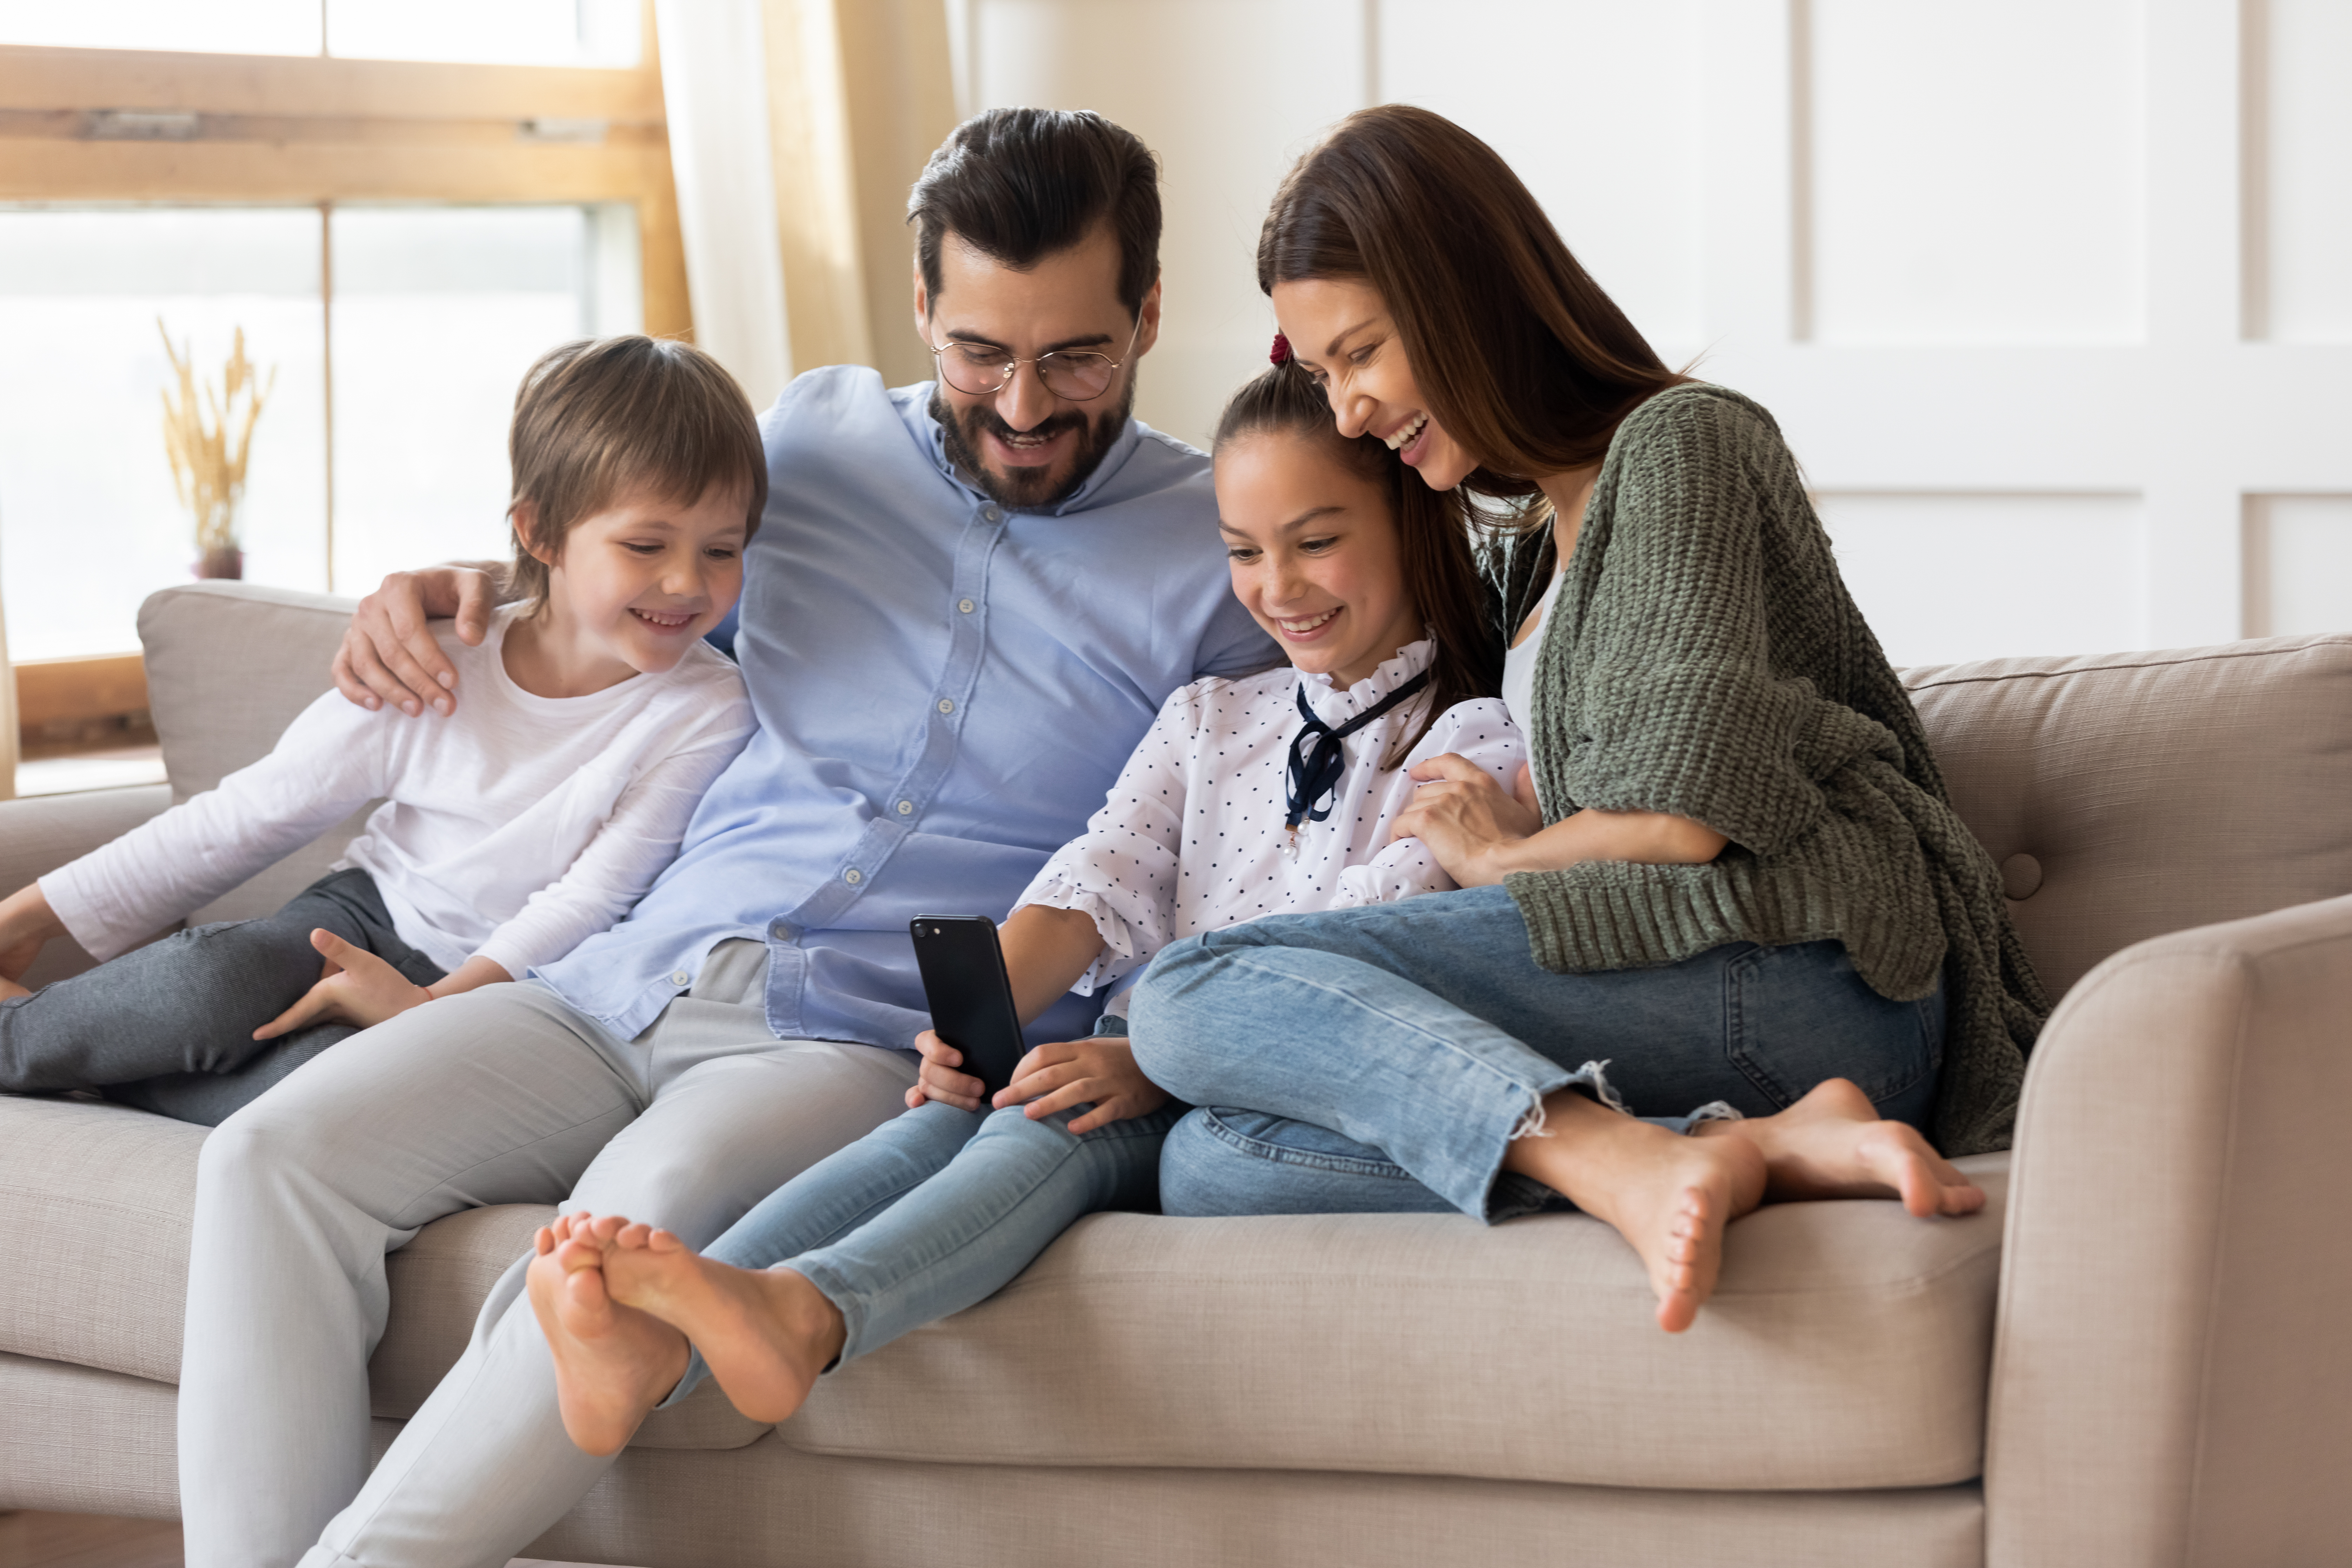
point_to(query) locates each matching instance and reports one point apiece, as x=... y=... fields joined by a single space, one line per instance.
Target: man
x=964 y=607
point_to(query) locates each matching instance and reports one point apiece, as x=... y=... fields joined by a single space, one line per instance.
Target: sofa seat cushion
x=1847 y=1346
x=97 y=1201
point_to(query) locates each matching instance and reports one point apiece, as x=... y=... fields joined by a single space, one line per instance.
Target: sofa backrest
x=2126 y=795
x=2123 y=796
x=228 y=667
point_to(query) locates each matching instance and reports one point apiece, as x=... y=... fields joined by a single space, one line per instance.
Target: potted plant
x=208 y=455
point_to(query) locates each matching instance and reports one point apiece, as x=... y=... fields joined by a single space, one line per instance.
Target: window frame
x=318 y=131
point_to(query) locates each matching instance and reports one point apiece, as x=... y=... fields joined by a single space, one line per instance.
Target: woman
x=1732 y=874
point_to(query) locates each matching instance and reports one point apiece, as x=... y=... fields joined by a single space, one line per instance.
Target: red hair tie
x=1281 y=352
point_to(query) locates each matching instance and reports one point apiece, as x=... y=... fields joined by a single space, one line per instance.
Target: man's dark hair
x=1019 y=184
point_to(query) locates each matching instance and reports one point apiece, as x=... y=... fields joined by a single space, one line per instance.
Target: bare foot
x=1832 y=1144
x=612 y=1363
x=766 y=1333
x=1668 y=1196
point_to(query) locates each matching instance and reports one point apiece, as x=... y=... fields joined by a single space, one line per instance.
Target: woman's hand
x=356 y=988
x=938 y=1078
x=1462 y=813
x=1071 y=1072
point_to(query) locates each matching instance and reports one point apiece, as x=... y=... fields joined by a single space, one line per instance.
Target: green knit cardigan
x=1705 y=659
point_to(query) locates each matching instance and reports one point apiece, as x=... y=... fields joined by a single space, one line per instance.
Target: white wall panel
x=1974 y=173
x=2298 y=564
x=1943 y=578
x=2303 y=145
x=1227 y=92
x=1596 y=104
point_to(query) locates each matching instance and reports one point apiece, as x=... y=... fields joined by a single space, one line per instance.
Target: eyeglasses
x=1075 y=375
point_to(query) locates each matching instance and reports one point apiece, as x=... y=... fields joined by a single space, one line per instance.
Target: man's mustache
x=983 y=419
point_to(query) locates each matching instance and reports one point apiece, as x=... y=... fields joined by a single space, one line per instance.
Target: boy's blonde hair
x=600 y=417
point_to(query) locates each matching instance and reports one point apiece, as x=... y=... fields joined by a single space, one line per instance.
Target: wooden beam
x=54 y=690
x=43 y=170
x=38 y=78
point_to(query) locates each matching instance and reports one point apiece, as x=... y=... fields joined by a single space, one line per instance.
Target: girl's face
x=1313 y=553
x=637 y=583
x=1339 y=331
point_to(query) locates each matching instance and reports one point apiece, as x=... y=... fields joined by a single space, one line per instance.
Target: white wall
x=2053 y=297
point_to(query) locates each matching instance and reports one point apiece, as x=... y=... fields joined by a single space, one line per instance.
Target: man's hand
x=390 y=655
x=938 y=1080
x=356 y=988
x=1461 y=812
x=1071 y=1072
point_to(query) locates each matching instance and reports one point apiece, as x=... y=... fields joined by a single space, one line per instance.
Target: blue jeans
x=938 y=1210
x=1387 y=1055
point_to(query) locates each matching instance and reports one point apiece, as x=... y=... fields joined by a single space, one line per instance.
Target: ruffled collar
x=1335 y=707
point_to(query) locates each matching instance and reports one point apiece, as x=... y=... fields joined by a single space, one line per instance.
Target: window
x=396 y=238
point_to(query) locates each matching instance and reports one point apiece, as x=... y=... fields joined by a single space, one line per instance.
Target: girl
x=510 y=830
x=1736 y=873
x=1249 y=797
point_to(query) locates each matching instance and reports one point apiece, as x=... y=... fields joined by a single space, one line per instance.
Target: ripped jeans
x=1382 y=1060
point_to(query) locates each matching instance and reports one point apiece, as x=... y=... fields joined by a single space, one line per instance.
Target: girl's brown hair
x=1522 y=359
x=1432 y=539
x=602 y=415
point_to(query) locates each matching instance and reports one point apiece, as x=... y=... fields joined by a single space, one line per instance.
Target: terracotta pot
x=222 y=563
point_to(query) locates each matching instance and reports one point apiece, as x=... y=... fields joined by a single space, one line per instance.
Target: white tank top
x=1520 y=665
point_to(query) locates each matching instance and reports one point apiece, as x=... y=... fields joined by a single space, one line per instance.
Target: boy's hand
x=390 y=655
x=26 y=923
x=1071 y=1072
x=938 y=1080
x=357 y=988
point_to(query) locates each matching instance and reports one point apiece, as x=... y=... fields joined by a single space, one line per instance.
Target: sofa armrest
x=2169 y=1384
x=41 y=833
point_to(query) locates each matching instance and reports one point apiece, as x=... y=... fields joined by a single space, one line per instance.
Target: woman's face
x=1313 y=553
x=1340 y=332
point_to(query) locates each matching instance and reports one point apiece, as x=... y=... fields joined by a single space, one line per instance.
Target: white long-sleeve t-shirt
x=1193 y=837
x=511 y=829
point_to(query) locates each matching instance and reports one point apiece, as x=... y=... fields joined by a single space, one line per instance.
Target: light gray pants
x=500 y=1096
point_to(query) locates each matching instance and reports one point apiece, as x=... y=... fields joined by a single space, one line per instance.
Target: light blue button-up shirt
x=945 y=690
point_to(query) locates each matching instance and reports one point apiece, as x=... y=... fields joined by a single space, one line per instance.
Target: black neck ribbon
x=1318 y=755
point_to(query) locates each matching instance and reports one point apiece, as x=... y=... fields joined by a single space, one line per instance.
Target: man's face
x=1022 y=445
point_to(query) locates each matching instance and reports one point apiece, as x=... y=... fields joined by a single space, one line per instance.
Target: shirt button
x=946 y=706
x=853 y=876
x=993 y=515
x=679 y=978
x=964 y=605
x=906 y=808
x=780 y=929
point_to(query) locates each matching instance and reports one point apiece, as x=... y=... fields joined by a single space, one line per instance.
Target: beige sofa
x=2134 y=1357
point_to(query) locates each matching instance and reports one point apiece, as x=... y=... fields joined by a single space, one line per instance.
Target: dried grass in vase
x=207 y=459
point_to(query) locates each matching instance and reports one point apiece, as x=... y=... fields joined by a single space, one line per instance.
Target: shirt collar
x=915 y=410
x=1336 y=707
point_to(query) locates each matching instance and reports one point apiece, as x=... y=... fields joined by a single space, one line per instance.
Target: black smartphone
x=970 y=994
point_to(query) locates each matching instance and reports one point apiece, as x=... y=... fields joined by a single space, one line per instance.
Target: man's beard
x=1029 y=488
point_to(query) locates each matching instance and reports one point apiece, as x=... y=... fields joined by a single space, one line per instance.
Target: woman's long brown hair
x=1522 y=358
x=1433 y=538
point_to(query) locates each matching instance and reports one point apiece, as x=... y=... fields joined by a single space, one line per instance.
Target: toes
x=665 y=1241
x=633 y=1236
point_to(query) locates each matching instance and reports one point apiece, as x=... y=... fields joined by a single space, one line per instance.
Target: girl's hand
x=1461 y=812
x=356 y=987
x=938 y=1080
x=1071 y=1072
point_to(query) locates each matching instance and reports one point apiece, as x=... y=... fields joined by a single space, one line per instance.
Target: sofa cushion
x=1847 y=1346
x=2128 y=795
x=228 y=667
x=94 y=1262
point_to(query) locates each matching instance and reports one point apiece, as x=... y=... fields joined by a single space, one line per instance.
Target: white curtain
x=8 y=715
x=715 y=92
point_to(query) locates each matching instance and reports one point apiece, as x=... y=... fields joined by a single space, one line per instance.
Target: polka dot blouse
x=1193 y=837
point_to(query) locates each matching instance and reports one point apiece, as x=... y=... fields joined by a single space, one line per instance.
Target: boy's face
x=1024 y=445
x=643 y=580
